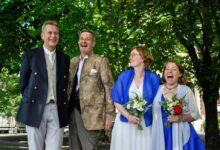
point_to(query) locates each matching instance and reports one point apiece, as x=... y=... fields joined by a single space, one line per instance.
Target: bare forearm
x=131 y=118
x=178 y=118
x=122 y=110
x=186 y=118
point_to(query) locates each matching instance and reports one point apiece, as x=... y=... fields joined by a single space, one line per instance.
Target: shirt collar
x=49 y=52
x=85 y=57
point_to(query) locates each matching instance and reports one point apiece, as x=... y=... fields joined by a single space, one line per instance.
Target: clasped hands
x=133 y=119
x=174 y=118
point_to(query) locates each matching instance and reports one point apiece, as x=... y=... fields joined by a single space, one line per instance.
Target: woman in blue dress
x=180 y=135
x=139 y=80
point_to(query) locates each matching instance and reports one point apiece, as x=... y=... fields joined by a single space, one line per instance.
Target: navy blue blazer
x=34 y=87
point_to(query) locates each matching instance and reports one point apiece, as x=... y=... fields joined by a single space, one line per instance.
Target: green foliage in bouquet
x=137 y=107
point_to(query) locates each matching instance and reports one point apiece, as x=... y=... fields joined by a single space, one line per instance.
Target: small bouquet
x=174 y=106
x=136 y=106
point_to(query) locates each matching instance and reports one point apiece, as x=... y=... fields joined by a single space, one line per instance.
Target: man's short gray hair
x=49 y=22
x=87 y=30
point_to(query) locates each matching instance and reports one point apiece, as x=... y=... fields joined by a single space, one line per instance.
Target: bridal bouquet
x=174 y=106
x=136 y=106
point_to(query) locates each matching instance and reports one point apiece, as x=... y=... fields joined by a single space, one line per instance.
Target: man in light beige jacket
x=90 y=83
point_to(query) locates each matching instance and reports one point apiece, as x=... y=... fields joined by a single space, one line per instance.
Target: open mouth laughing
x=170 y=77
x=84 y=45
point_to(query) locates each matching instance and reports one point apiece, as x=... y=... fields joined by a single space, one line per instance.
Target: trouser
x=49 y=136
x=79 y=137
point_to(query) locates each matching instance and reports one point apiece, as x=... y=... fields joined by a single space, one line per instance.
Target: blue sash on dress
x=120 y=91
x=194 y=142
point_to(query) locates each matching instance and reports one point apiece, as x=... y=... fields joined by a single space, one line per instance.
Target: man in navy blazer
x=43 y=82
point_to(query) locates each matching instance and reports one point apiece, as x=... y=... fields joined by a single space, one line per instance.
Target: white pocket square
x=93 y=72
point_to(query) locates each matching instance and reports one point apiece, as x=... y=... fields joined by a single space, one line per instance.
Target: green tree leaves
x=187 y=31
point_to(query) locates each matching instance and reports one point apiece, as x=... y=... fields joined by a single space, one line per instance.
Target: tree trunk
x=211 y=129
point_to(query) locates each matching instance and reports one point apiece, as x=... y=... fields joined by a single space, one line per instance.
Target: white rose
x=140 y=109
x=128 y=106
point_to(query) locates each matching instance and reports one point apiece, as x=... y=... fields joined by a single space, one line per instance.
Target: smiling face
x=50 y=36
x=86 y=43
x=171 y=73
x=136 y=59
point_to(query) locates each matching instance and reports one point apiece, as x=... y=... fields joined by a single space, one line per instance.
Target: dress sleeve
x=191 y=104
x=117 y=91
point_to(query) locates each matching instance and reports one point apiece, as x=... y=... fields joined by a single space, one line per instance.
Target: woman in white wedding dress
x=141 y=81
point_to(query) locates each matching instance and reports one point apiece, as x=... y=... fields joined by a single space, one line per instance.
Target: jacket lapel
x=58 y=67
x=87 y=63
x=41 y=63
x=76 y=66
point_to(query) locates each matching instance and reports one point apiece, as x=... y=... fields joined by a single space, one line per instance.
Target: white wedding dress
x=127 y=136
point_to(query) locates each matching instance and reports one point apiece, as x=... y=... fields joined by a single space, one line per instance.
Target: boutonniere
x=93 y=72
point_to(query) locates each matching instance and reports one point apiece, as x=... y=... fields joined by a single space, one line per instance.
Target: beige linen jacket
x=95 y=91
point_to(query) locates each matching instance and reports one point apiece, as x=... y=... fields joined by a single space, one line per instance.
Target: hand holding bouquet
x=137 y=106
x=174 y=106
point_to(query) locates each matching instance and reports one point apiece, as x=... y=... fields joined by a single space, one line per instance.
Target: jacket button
x=32 y=101
x=64 y=90
x=64 y=77
x=35 y=73
x=35 y=87
x=64 y=103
